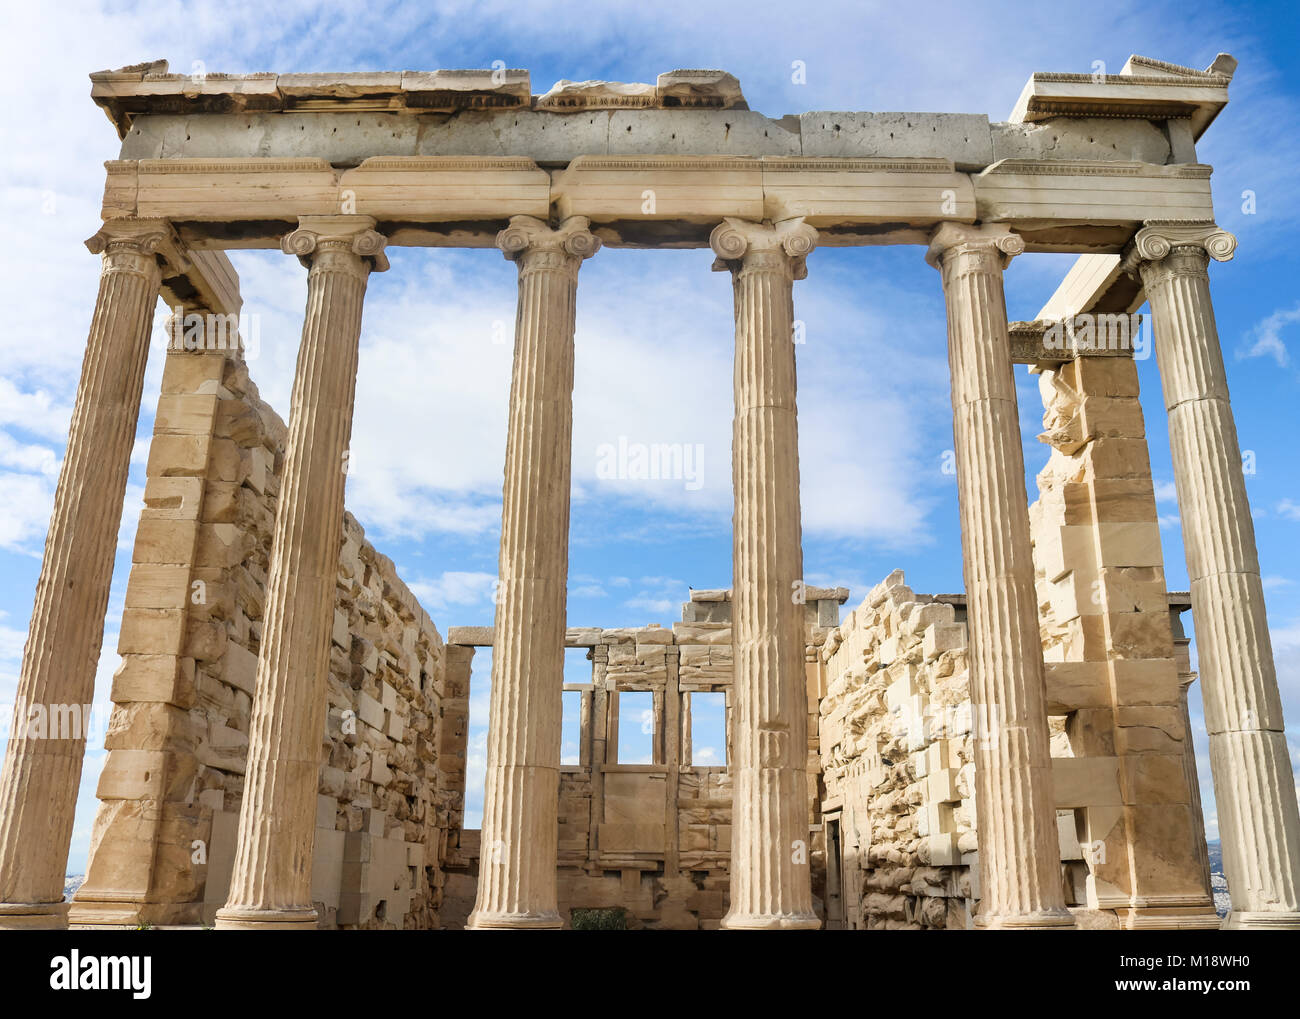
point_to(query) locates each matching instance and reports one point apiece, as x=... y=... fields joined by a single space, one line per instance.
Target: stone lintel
x=656 y=201
x=1090 y=277
x=1178 y=600
x=574 y=636
x=1043 y=342
x=210 y=282
x=811 y=594
x=1088 y=205
x=470 y=636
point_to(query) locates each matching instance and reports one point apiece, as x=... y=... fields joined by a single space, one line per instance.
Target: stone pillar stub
x=517 y=866
x=38 y=785
x=271 y=884
x=771 y=887
x=1259 y=825
x=1019 y=853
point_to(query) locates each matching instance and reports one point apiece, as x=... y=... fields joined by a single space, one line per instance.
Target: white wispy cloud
x=1265 y=340
x=25 y=504
x=454 y=588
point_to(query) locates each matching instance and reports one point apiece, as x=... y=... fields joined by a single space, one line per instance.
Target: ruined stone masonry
x=288 y=742
x=386 y=803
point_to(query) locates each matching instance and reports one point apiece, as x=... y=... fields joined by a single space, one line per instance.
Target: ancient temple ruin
x=1014 y=755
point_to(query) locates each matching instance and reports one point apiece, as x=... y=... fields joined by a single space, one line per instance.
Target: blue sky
x=654 y=330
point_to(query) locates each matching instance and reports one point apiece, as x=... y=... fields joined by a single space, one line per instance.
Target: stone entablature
x=444 y=158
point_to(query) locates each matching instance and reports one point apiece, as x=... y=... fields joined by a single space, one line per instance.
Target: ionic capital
x=319 y=237
x=1158 y=239
x=527 y=235
x=738 y=241
x=989 y=247
x=135 y=243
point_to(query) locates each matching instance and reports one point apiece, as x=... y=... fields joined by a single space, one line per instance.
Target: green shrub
x=612 y=919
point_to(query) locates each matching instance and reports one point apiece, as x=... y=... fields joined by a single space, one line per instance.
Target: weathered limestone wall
x=897 y=765
x=897 y=728
x=1126 y=781
x=389 y=804
x=653 y=838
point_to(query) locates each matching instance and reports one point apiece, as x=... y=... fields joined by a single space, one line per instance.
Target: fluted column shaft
x=770 y=877
x=42 y=767
x=517 y=877
x=1253 y=787
x=1020 y=873
x=271 y=884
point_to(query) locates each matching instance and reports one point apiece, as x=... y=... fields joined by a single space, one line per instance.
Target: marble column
x=517 y=881
x=42 y=767
x=1020 y=872
x=1253 y=787
x=771 y=887
x=270 y=888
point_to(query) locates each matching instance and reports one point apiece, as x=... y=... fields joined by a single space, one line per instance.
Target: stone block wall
x=1132 y=832
x=390 y=802
x=897 y=728
x=653 y=838
x=898 y=808
x=898 y=811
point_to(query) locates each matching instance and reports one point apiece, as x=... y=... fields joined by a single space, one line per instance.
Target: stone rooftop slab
x=1144 y=88
x=1150 y=112
x=149 y=89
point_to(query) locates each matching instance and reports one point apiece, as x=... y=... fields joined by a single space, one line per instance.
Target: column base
x=1047 y=919
x=104 y=916
x=1169 y=919
x=244 y=918
x=482 y=920
x=735 y=921
x=103 y=910
x=1243 y=920
x=34 y=916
